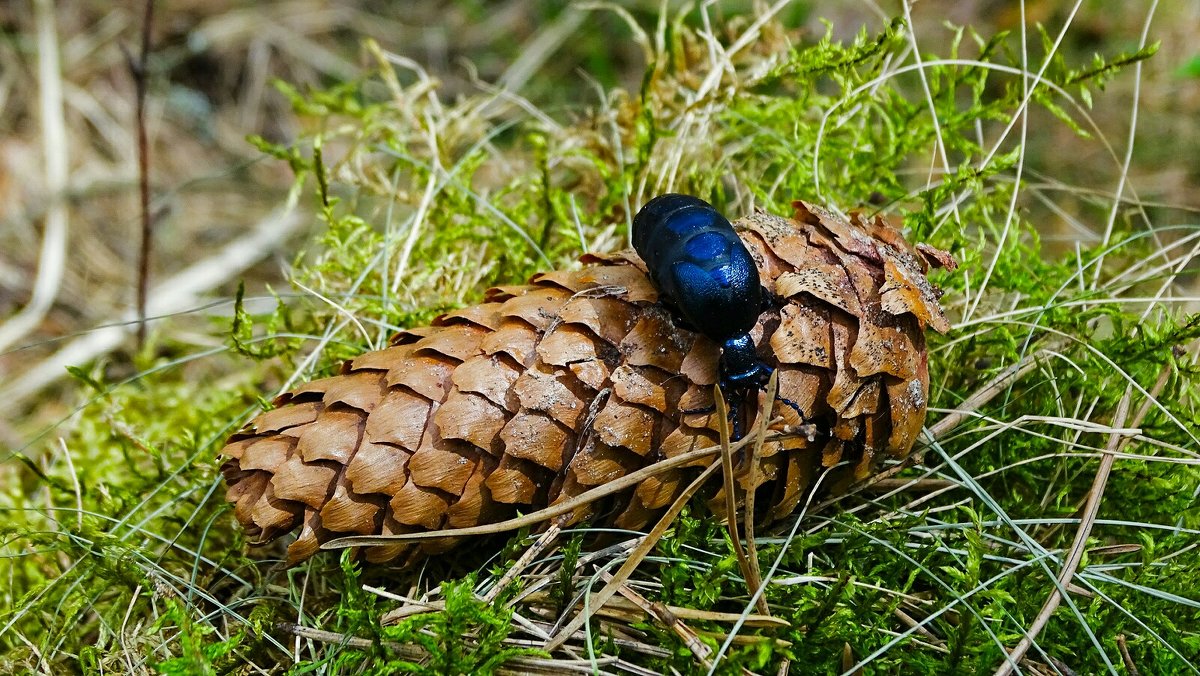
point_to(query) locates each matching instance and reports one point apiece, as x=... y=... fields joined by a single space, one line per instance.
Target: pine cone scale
x=490 y=376
x=334 y=435
x=377 y=469
x=399 y=419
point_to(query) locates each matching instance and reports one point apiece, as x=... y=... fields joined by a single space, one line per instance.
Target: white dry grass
x=55 y=149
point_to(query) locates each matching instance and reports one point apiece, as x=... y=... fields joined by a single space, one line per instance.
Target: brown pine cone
x=550 y=389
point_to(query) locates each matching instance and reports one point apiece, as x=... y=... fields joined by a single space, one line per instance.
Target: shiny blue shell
x=698 y=262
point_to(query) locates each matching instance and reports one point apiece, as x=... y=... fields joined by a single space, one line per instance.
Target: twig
x=1075 y=555
x=138 y=70
x=1126 y=657
x=53 y=256
x=172 y=295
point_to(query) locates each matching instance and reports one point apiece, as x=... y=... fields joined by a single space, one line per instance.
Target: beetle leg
x=793 y=405
x=736 y=404
x=770 y=302
x=677 y=317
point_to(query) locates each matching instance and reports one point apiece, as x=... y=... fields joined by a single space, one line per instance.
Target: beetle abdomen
x=697 y=261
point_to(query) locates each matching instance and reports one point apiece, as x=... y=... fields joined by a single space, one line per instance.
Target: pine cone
x=550 y=389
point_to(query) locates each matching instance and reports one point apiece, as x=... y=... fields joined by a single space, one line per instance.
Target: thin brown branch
x=138 y=69
x=1130 y=666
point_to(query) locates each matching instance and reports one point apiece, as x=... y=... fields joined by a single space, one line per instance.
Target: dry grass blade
x=406 y=611
x=533 y=518
x=410 y=651
x=1075 y=555
x=53 y=258
x=731 y=488
x=753 y=469
x=635 y=559
x=519 y=565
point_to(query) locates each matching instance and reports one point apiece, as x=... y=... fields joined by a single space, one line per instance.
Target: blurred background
x=210 y=76
x=108 y=479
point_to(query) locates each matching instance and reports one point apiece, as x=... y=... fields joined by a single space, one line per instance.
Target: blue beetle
x=702 y=268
